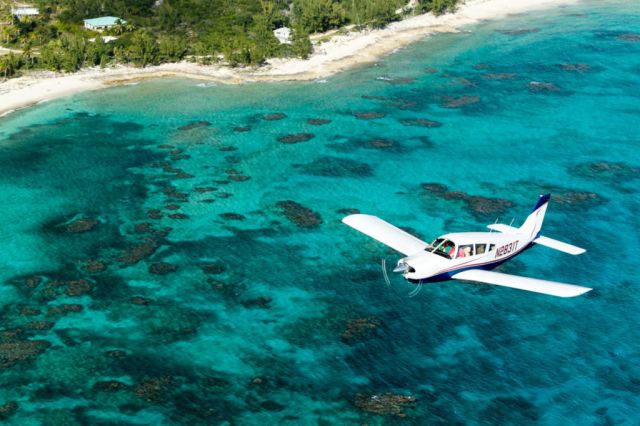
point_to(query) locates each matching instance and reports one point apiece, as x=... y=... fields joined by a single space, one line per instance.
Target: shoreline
x=340 y=53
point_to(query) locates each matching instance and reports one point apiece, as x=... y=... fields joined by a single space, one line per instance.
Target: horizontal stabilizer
x=386 y=233
x=503 y=228
x=521 y=283
x=559 y=245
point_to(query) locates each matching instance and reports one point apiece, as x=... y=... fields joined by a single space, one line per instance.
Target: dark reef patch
x=162 y=268
x=82 y=225
x=499 y=76
x=347 y=211
x=232 y=216
x=479 y=206
x=214 y=268
x=385 y=404
x=329 y=166
x=368 y=115
x=194 y=125
x=422 y=122
x=632 y=37
x=299 y=214
x=575 y=67
x=459 y=102
x=14 y=351
x=178 y=216
x=429 y=70
x=93 y=266
x=242 y=129
x=137 y=252
x=274 y=116
x=7 y=410
x=259 y=302
x=295 y=138
x=204 y=189
x=543 y=87
x=605 y=171
x=318 y=121
x=359 y=328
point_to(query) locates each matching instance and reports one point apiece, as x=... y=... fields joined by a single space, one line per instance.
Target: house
x=24 y=11
x=283 y=35
x=102 y=23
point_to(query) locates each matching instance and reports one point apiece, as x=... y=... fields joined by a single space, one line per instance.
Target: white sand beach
x=339 y=53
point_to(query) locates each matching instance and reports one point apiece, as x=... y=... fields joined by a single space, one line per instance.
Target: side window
x=491 y=247
x=465 y=250
x=481 y=248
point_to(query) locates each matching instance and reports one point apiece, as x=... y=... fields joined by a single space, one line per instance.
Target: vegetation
x=239 y=32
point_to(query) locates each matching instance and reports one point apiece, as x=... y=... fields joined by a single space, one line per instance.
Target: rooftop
x=103 y=21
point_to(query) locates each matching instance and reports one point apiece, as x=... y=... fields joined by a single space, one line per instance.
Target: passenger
x=463 y=252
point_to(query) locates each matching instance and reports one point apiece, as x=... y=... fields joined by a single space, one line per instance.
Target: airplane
x=470 y=256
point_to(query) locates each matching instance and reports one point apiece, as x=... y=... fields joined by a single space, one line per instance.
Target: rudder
x=533 y=224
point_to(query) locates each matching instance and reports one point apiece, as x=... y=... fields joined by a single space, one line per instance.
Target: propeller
x=402 y=268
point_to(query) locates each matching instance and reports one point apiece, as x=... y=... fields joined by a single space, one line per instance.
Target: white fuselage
x=488 y=250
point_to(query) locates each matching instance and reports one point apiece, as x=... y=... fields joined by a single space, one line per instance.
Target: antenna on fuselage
x=491 y=229
x=511 y=223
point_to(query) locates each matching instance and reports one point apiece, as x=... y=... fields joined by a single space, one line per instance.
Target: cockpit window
x=465 y=250
x=442 y=247
x=434 y=245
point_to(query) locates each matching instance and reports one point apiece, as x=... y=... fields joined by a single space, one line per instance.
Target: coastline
x=341 y=52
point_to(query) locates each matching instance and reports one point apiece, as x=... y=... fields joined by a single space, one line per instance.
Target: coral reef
x=300 y=215
x=296 y=138
x=422 y=122
x=336 y=167
x=162 y=268
x=385 y=404
x=459 y=102
x=82 y=225
x=359 y=328
x=274 y=116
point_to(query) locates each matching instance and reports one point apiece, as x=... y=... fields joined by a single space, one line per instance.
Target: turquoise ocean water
x=172 y=251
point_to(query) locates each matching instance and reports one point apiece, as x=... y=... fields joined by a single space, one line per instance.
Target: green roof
x=103 y=21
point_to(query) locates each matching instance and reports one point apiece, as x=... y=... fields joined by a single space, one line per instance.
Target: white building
x=283 y=35
x=24 y=11
x=102 y=23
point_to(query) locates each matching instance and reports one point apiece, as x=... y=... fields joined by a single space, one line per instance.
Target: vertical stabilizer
x=532 y=225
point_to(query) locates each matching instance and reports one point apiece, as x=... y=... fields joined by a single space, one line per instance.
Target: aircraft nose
x=403 y=267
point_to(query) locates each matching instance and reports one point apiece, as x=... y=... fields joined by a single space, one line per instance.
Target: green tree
x=319 y=15
x=300 y=44
x=143 y=49
x=171 y=49
x=10 y=64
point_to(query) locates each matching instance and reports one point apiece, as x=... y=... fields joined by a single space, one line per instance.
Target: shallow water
x=232 y=304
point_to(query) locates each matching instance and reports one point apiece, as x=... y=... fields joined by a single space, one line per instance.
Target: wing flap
x=559 y=245
x=386 y=233
x=522 y=283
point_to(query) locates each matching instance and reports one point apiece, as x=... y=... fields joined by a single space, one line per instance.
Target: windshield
x=442 y=247
x=431 y=247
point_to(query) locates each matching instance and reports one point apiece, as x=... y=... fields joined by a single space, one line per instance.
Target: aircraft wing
x=521 y=283
x=386 y=233
x=559 y=245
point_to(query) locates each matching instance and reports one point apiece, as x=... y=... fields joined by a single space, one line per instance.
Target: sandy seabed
x=339 y=53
